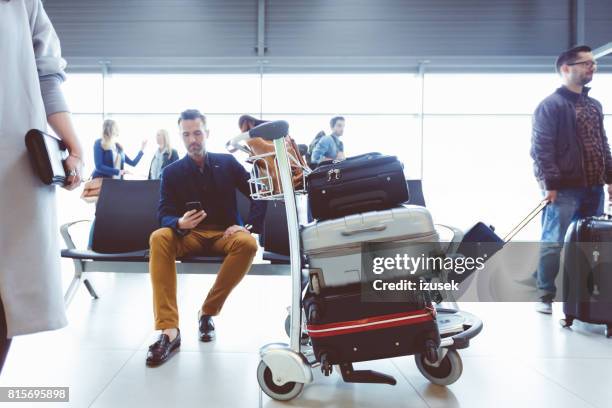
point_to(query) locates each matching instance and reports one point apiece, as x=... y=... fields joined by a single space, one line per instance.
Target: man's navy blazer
x=182 y=182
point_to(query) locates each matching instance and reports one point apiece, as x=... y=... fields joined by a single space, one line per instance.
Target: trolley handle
x=268 y=131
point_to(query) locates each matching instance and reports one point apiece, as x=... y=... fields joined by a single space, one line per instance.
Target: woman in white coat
x=30 y=96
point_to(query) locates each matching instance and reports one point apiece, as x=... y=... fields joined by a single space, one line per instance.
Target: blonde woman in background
x=109 y=157
x=164 y=155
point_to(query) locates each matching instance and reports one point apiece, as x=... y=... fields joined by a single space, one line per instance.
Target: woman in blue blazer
x=109 y=156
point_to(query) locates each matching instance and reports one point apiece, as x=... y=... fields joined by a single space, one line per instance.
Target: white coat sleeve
x=49 y=62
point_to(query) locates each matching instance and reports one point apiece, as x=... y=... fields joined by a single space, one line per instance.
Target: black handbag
x=47 y=154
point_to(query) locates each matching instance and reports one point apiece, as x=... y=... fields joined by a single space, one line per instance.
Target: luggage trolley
x=284 y=369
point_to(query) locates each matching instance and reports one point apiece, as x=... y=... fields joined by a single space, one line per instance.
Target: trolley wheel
x=446 y=373
x=567 y=322
x=431 y=351
x=284 y=392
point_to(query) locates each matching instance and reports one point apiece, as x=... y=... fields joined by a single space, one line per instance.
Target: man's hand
x=191 y=219
x=610 y=192
x=551 y=196
x=233 y=229
x=74 y=166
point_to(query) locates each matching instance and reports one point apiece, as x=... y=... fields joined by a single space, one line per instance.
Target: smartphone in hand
x=194 y=205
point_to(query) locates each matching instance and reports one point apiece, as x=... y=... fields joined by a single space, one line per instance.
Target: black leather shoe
x=206 y=328
x=163 y=349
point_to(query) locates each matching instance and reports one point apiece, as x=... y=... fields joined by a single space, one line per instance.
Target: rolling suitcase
x=587 y=272
x=358 y=184
x=482 y=240
x=344 y=329
x=337 y=249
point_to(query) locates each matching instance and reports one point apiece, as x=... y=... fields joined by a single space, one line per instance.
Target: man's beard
x=586 y=79
x=197 y=149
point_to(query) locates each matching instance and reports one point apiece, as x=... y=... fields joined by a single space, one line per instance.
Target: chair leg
x=90 y=289
x=74 y=285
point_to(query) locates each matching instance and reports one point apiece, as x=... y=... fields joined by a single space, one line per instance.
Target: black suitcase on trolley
x=345 y=329
x=367 y=182
x=587 y=272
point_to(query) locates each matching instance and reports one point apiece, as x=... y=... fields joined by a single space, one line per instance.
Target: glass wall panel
x=478 y=168
x=477 y=132
x=600 y=90
x=175 y=93
x=83 y=92
x=487 y=93
x=337 y=94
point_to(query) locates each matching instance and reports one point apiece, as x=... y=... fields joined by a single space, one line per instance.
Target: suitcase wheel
x=567 y=322
x=326 y=366
x=445 y=372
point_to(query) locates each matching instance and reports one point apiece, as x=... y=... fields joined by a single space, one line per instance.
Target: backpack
x=311 y=148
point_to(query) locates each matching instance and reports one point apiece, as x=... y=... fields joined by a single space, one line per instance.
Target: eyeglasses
x=588 y=64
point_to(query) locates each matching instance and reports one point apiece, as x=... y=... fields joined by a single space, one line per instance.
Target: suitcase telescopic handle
x=526 y=220
x=360 y=231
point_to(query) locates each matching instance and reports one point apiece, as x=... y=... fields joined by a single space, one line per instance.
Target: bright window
x=83 y=92
x=477 y=127
x=150 y=94
x=341 y=94
x=487 y=93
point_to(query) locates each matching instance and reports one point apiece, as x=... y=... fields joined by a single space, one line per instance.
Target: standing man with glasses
x=572 y=161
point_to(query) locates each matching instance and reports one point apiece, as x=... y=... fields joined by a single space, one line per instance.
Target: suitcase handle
x=359 y=231
x=526 y=220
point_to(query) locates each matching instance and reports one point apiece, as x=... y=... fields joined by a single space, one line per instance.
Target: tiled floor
x=521 y=359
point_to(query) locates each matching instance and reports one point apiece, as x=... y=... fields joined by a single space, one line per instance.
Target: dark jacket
x=103 y=160
x=181 y=184
x=555 y=148
x=168 y=158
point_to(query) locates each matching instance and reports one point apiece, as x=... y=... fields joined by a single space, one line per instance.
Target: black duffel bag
x=367 y=182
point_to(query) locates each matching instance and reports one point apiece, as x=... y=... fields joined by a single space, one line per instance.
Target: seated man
x=330 y=147
x=211 y=179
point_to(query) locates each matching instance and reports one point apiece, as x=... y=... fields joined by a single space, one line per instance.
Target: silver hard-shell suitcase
x=335 y=248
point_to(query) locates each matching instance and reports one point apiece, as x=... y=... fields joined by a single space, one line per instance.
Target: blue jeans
x=571 y=204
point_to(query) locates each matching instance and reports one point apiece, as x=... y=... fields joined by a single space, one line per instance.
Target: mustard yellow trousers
x=165 y=246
